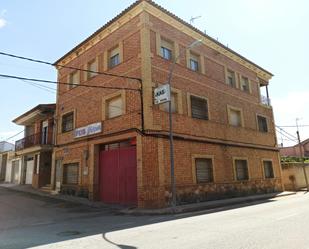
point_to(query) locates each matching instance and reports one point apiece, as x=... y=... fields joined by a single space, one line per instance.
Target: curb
x=70 y=199
x=204 y=206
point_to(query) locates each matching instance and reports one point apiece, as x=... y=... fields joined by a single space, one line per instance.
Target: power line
x=74 y=68
x=289 y=134
x=293 y=140
x=48 y=89
x=292 y=126
x=63 y=83
x=14 y=135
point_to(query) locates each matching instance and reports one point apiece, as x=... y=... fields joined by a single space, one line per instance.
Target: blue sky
x=272 y=33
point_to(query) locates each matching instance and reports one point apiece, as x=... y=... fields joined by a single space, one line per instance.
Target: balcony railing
x=265 y=100
x=33 y=140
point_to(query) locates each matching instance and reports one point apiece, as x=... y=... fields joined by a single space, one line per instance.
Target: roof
x=40 y=108
x=305 y=141
x=168 y=13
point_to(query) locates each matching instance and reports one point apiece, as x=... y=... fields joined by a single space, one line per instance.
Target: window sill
x=66 y=132
x=112 y=67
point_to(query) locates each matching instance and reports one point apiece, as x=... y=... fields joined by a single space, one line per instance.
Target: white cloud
x=3 y=22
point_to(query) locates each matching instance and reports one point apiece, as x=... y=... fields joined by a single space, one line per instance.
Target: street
x=29 y=221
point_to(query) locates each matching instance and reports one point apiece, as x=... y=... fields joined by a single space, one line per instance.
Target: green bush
x=293 y=159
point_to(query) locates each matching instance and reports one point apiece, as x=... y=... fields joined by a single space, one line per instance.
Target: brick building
x=295 y=150
x=113 y=146
x=35 y=149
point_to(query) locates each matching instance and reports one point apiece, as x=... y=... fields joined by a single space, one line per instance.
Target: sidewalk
x=207 y=205
x=58 y=196
x=137 y=211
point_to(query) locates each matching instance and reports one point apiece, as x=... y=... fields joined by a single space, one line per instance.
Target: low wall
x=293 y=176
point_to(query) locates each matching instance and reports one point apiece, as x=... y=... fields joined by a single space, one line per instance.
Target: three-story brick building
x=112 y=145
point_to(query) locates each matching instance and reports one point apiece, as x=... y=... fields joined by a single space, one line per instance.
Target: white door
x=15 y=172
x=29 y=172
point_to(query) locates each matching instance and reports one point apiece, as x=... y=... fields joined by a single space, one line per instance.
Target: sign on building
x=162 y=94
x=88 y=130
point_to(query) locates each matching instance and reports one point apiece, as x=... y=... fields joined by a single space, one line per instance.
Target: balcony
x=37 y=139
x=265 y=100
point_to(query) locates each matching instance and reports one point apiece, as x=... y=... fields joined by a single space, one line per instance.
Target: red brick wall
x=154 y=175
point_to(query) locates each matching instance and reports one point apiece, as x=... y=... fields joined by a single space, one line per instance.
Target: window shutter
x=114 y=108
x=199 y=108
x=241 y=170
x=70 y=174
x=268 y=169
x=114 y=52
x=262 y=123
x=67 y=122
x=235 y=117
x=204 y=172
x=92 y=66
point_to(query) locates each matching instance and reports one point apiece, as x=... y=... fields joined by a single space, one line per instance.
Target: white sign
x=88 y=130
x=162 y=94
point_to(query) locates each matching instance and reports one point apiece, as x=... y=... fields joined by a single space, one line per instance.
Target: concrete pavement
x=28 y=221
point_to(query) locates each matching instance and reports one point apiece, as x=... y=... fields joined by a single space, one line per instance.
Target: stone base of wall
x=207 y=192
x=78 y=191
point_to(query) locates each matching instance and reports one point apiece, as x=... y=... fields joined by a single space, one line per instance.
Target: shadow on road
x=86 y=222
x=118 y=245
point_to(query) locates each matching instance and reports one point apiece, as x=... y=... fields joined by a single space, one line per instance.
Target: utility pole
x=302 y=155
x=171 y=139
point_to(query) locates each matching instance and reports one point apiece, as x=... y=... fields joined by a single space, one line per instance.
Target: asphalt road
x=28 y=221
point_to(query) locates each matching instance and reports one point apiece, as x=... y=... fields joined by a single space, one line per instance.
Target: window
x=241 y=170
x=73 y=79
x=68 y=122
x=199 y=107
x=70 y=173
x=114 y=107
x=268 y=169
x=231 y=78
x=235 y=117
x=92 y=66
x=166 y=49
x=204 y=170
x=244 y=84
x=262 y=123
x=174 y=103
x=114 y=57
x=194 y=62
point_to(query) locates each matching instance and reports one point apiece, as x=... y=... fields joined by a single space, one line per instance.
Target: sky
x=272 y=33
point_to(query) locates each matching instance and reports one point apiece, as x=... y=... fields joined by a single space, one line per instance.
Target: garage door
x=29 y=172
x=118 y=177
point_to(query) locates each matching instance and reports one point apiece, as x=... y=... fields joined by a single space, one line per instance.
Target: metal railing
x=33 y=140
x=265 y=100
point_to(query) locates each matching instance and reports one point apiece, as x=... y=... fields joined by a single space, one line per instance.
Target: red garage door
x=118 y=181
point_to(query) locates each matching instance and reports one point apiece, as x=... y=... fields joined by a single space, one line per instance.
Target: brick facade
x=295 y=150
x=137 y=32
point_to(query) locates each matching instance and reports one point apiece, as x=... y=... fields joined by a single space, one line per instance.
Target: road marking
x=288 y=216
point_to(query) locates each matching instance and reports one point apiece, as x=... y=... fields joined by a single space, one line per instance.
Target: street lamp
x=173 y=185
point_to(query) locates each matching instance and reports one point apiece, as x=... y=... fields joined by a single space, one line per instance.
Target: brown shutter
x=199 y=108
x=241 y=170
x=204 y=171
x=70 y=173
